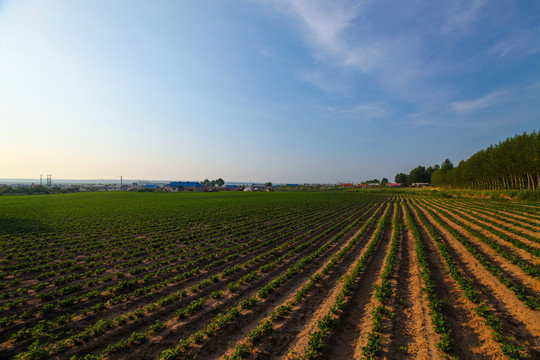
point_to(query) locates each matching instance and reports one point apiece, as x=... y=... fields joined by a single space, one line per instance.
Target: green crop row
x=317 y=340
x=473 y=295
x=519 y=290
x=436 y=305
x=383 y=293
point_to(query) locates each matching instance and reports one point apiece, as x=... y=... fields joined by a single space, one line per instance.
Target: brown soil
x=342 y=342
x=219 y=344
x=356 y=317
x=514 y=213
x=365 y=325
x=162 y=314
x=518 y=320
x=286 y=329
x=408 y=333
x=472 y=337
x=309 y=325
x=418 y=331
x=513 y=271
x=481 y=219
x=401 y=334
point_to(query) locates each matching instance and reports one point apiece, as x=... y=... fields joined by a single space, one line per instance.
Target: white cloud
x=343 y=37
x=523 y=43
x=466 y=107
x=320 y=80
x=366 y=111
x=325 y=27
x=325 y=20
x=268 y=53
x=459 y=123
x=416 y=52
x=462 y=14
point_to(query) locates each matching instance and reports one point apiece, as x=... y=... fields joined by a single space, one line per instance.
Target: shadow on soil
x=18 y=226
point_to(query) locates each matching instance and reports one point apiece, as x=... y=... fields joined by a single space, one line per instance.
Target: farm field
x=331 y=275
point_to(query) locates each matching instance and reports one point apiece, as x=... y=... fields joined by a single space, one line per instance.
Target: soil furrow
x=472 y=338
x=309 y=324
x=520 y=321
x=182 y=329
x=277 y=343
x=342 y=342
x=522 y=253
x=513 y=272
x=401 y=334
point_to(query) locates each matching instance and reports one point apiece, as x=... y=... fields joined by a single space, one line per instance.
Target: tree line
x=34 y=190
x=512 y=164
x=419 y=174
x=212 y=183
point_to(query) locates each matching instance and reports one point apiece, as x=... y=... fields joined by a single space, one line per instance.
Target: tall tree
x=401 y=178
x=447 y=165
x=429 y=172
x=418 y=175
x=512 y=164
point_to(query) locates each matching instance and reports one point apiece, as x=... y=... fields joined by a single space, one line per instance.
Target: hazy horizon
x=15 y=181
x=288 y=91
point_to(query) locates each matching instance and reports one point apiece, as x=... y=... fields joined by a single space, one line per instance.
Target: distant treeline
x=513 y=164
x=419 y=174
x=33 y=190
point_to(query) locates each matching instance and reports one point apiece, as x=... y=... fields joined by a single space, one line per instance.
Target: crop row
x=273 y=251
x=182 y=275
x=470 y=292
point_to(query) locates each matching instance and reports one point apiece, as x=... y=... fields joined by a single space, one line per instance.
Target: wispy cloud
x=417 y=53
x=322 y=81
x=327 y=21
x=268 y=53
x=366 y=111
x=461 y=14
x=342 y=34
x=459 y=123
x=325 y=28
x=523 y=43
x=469 y=106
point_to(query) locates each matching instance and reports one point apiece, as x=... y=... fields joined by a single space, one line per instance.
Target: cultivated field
x=337 y=275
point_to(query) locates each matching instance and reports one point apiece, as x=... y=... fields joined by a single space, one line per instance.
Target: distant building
x=394 y=184
x=151 y=187
x=185 y=186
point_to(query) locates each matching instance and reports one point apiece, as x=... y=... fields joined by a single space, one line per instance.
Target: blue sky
x=275 y=90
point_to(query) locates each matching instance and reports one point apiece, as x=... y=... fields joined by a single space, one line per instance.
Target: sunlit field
x=335 y=275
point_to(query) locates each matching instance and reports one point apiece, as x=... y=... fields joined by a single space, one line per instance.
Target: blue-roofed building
x=151 y=186
x=185 y=186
